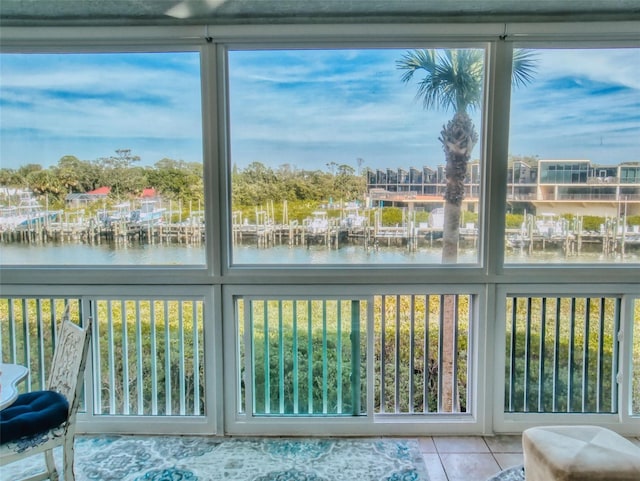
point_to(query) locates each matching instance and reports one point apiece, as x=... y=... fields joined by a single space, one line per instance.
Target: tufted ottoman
x=579 y=453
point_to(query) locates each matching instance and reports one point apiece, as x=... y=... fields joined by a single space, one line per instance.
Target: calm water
x=142 y=254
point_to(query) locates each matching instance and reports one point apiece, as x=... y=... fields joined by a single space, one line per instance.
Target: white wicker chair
x=66 y=377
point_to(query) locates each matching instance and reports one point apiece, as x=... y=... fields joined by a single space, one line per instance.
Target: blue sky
x=303 y=108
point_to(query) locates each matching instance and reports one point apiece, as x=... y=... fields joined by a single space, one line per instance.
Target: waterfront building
x=577 y=187
x=81 y=199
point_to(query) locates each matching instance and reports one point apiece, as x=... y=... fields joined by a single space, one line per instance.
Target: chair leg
x=51 y=465
x=68 y=456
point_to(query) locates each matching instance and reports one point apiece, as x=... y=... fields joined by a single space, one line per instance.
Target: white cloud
x=105 y=102
x=610 y=66
x=304 y=106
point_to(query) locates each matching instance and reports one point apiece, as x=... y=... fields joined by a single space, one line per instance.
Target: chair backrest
x=69 y=359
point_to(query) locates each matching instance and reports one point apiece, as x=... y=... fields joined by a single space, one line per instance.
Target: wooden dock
x=95 y=233
x=295 y=234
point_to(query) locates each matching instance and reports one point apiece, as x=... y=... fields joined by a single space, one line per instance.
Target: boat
x=632 y=239
x=120 y=213
x=318 y=224
x=28 y=213
x=353 y=219
x=436 y=218
x=516 y=241
x=550 y=226
x=8 y=217
x=148 y=213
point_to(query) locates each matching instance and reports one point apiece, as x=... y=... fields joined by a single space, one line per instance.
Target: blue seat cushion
x=32 y=413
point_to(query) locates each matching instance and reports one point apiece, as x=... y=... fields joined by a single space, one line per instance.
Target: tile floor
x=472 y=458
x=464 y=458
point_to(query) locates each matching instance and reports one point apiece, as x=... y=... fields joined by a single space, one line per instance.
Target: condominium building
x=546 y=185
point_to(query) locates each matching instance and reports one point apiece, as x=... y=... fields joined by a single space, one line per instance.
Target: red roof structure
x=100 y=191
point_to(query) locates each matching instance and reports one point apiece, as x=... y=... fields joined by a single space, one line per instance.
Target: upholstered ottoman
x=579 y=453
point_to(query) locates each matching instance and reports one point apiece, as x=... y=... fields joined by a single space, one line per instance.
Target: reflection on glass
x=573 y=183
x=337 y=156
x=101 y=159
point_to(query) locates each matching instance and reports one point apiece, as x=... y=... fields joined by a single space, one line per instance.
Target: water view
x=181 y=255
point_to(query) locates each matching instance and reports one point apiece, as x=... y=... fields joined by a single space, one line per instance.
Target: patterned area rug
x=178 y=458
x=515 y=473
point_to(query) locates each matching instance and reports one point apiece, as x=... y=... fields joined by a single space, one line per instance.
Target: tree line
x=178 y=180
x=172 y=179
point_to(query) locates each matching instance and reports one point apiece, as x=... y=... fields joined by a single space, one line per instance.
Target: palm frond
x=416 y=60
x=524 y=67
x=452 y=80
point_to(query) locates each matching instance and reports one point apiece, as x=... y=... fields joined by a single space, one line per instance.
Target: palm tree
x=454 y=81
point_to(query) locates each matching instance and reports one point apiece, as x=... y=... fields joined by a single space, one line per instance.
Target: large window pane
x=573 y=184
x=101 y=159
x=336 y=156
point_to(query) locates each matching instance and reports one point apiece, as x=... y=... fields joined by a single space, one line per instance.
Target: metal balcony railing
x=562 y=354
x=302 y=356
x=371 y=355
x=147 y=353
x=309 y=356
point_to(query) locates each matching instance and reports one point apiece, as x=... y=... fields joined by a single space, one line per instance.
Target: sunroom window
x=574 y=136
x=102 y=159
x=337 y=156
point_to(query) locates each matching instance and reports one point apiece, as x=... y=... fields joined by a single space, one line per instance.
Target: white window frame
x=622 y=421
x=220 y=282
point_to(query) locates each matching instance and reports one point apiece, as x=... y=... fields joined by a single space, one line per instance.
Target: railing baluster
x=3 y=302
x=139 y=354
x=512 y=354
x=154 y=357
x=600 y=370
x=542 y=354
x=167 y=360
x=383 y=350
x=42 y=378
x=196 y=357
x=425 y=374
x=355 y=357
x=570 y=366
x=324 y=357
x=97 y=359
x=12 y=331
x=251 y=395
x=585 y=354
x=556 y=358
x=181 y=365
x=296 y=378
x=455 y=402
x=280 y=357
x=339 y=358
x=396 y=396
x=26 y=340
x=52 y=325
x=412 y=340
x=614 y=356
x=125 y=357
x=112 y=368
x=267 y=370
x=310 y=409
x=527 y=356
x=440 y=353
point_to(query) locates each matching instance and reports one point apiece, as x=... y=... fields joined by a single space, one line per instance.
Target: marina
x=348 y=227
x=571 y=209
